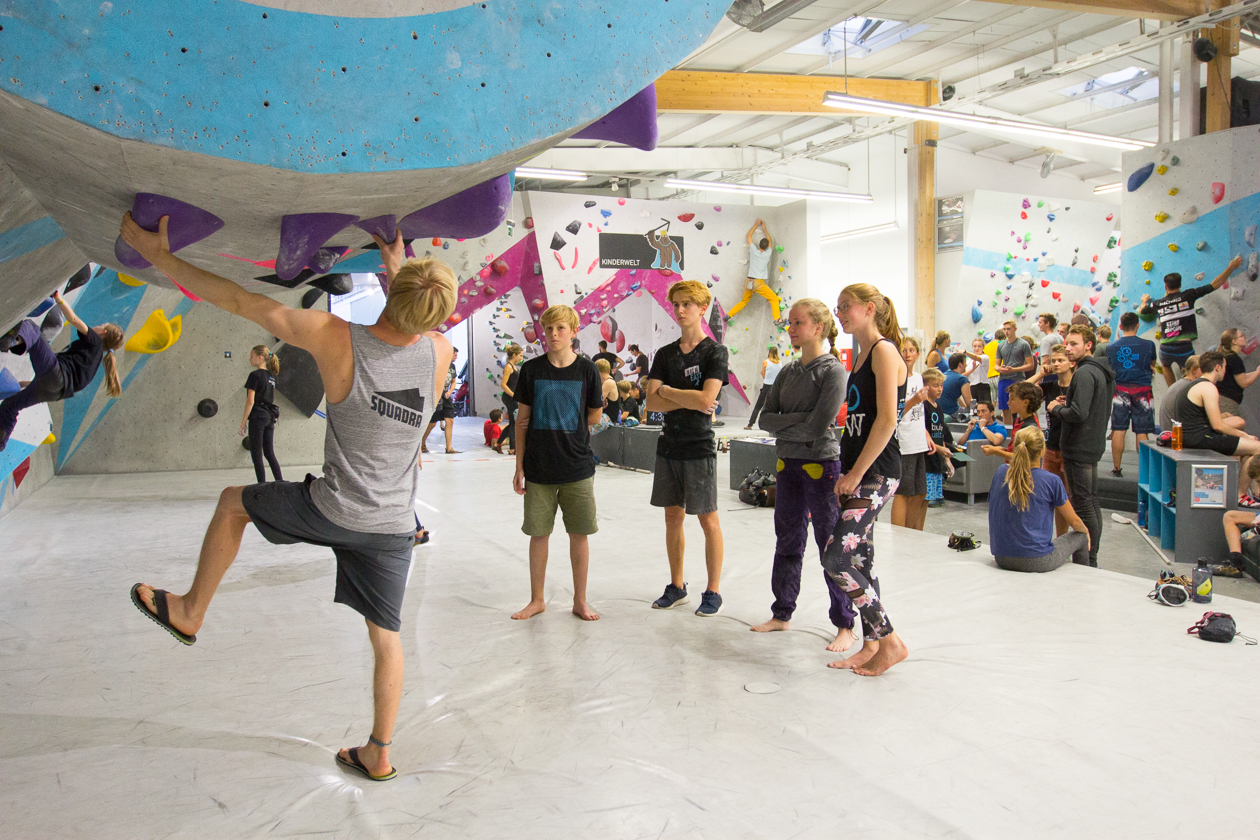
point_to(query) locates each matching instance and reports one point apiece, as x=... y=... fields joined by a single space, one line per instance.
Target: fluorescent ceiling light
x=850 y=234
x=1108 y=188
x=897 y=109
x=550 y=174
x=749 y=189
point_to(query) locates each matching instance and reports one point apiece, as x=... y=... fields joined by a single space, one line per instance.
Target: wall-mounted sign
x=654 y=249
x=949 y=223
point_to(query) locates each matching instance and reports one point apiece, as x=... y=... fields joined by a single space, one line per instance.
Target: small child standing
x=938 y=466
x=491 y=429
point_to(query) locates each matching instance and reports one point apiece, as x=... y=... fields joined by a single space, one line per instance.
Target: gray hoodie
x=1087 y=412
x=802 y=408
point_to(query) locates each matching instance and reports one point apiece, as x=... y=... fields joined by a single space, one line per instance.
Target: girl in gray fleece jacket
x=800 y=411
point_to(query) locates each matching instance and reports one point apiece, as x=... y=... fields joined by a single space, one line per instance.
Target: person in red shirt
x=491 y=429
x=1024 y=399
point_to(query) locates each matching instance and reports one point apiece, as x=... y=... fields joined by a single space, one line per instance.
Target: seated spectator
x=984 y=426
x=1198 y=409
x=1238 y=521
x=1190 y=371
x=1024 y=399
x=1236 y=377
x=629 y=405
x=956 y=393
x=1023 y=500
x=492 y=430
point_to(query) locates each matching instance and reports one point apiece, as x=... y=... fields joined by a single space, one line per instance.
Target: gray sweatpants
x=1071 y=546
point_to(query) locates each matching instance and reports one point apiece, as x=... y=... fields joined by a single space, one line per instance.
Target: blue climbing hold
x=1049 y=217
x=605 y=213
x=976 y=314
x=1137 y=179
x=8 y=384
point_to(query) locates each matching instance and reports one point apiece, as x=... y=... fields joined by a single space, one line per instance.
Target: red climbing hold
x=20 y=471
x=1218 y=192
x=537 y=303
x=686 y=217
x=1023 y=214
x=530 y=335
x=437 y=242
x=500 y=266
x=529 y=222
x=1045 y=284
x=1057 y=295
x=621 y=341
x=1111 y=216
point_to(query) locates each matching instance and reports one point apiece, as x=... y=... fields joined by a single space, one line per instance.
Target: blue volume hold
x=1137 y=179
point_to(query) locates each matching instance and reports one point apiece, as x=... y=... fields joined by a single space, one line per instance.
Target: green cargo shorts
x=576 y=501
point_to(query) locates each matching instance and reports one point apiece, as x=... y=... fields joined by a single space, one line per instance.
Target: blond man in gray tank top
x=381 y=382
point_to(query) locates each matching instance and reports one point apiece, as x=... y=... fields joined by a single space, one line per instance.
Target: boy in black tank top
x=871 y=461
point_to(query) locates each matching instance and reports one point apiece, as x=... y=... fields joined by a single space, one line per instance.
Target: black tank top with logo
x=863 y=410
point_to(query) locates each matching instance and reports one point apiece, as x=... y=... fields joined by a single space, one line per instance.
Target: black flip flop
x=163 y=617
x=355 y=764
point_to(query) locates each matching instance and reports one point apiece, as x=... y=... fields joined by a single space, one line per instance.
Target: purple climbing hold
x=383 y=226
x=188 y=224
x=78 y=279
x=474 y=212
x=325 y=258
x=632 y=123
x=301 y=235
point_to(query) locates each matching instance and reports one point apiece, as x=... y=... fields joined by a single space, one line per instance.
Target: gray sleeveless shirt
x=372 y=442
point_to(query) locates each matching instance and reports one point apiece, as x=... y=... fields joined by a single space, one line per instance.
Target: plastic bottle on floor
x=1201 y=583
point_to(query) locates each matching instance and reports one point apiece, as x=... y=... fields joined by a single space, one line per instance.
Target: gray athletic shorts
x=371 y=568
x=691 y=485
x=913 y=475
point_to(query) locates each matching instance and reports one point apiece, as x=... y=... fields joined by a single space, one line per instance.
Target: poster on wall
x=653 y=249
x=949 y=223
x=1207 y=488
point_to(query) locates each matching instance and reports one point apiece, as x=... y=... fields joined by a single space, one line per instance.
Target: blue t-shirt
x=954 y=383
x=1131 y=358
x=1024 y=533
x=996 y=428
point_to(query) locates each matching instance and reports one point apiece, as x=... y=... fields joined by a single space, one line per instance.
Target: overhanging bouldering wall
x=287 y=123
x=1190 y=207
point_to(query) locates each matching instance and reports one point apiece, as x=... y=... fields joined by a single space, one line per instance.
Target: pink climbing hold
x=537 y=303
x=621 y=201
x=1218 y=192
x=530 y=335
x=1045 y=284
x=1057 y=295
x=187 y=293
x=1094 y=298
x=1095 y=258
x=594 y=263
x=556 y=254
x=1076 y=307
x=1251 y=345
x=621 y=341
x=575 y=257
x=485 y=273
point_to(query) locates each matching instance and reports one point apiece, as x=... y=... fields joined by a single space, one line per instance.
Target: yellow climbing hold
x=1161 y=169
x=177 y=327
x=1161 y=217
x=156 y=335
x=814 y=471
x=50 y=439
x=1174 y=191
x=127 y=280
x=1172 y=246
x=1147 y=266
x=778 y=465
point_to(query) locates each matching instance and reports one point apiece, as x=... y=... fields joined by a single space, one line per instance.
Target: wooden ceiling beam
x=699 y=92
x=1148 y=9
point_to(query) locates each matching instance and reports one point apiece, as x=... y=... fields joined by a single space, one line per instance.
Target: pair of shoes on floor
x=675 y=596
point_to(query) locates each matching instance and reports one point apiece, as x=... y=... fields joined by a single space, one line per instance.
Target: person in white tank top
x=759 y=254
x=380 y=382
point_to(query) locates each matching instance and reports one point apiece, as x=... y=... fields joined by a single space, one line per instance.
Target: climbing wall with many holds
x=1190 y=207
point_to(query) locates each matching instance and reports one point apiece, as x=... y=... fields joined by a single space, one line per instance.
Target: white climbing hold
x=1190 y=215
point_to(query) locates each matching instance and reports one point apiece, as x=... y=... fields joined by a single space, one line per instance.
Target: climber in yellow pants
x=758 y=270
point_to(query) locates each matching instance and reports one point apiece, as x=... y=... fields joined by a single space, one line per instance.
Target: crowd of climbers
x=894 y=445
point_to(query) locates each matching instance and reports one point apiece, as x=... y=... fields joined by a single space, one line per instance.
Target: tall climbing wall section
x=280 y=137
x=1190 y=207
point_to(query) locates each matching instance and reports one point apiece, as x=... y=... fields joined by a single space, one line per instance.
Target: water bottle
x=1142 y=514
x=1176 y=435
x=1201 y=583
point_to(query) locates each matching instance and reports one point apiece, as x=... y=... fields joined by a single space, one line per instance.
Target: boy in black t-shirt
x=559 y=400
x=683 y=384
x=629 y=405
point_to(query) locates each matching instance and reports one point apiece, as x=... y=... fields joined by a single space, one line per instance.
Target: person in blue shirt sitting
x=1023 y=500
x=956 y=396
x=984 y=426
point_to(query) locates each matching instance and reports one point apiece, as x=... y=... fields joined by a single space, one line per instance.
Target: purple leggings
x=45 y=387
x=799 y=497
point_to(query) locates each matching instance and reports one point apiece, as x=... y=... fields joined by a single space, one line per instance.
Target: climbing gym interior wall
x=1190 y=207
x=1024 y=254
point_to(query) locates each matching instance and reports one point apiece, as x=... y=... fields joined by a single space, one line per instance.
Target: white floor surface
x=1060 y=705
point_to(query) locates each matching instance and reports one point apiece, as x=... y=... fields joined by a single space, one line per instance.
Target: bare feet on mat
x=843 y=641
x=770 y=626
x=870 y=647
x=532 y=609
x=891 y=651
x=583 y=611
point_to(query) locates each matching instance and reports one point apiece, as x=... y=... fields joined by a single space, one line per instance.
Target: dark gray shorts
x=691 y=485
x=371 y=568
x=913 y=475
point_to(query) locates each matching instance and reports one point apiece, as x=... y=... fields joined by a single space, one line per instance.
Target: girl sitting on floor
x=1023 y=499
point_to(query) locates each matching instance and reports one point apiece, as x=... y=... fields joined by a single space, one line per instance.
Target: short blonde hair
x=691 y=290
x=623 y=387
x=603 y=366
x=931 y=376
x=421 y=296
x=560 y=314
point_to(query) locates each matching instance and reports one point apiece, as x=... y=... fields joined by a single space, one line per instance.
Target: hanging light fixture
x=750 y=189
x=1103 y=189
x=852 y=234
x=550 y=174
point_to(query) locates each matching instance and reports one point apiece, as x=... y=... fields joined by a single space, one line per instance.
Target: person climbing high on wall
x=381 y=380
x=1178 y=326
x=59 y=376
x=759 y=254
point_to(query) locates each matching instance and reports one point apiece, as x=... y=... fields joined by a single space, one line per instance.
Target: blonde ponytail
x=1029 y=445
x=272 y=361
x=111 y=341
x=885 y=312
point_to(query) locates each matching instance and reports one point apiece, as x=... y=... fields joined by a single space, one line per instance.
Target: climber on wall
x=758 y=270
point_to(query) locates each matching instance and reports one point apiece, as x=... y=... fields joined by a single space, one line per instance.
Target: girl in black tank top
x=508 y=383
x=871 y=461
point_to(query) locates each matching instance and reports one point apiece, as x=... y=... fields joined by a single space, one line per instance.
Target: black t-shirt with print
x=558 y=440
x=263 y=384
x=688 y=434
x=938 y=428
x=1177 y=321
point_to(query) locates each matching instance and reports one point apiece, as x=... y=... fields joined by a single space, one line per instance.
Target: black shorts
x=371 y=568
x=913 y=475
x=445 y=411
x=690 y=484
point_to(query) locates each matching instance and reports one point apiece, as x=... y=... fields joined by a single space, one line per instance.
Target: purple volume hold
x=302 y=235
x=474 y=212
x=188 y=224
x=383 y=226
x=632 y=123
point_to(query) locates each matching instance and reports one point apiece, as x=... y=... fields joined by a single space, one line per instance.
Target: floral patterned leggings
x=850 y=554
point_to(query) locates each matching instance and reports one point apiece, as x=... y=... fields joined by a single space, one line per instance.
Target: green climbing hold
x=734 y=350
x=1019 y=311
x=1041 y=204
x=1175 y=160
x=1200 y=245
x=1199 y=311
x=779 y=248
x=1111 y=243
x=1114 y=302
x=1028 y=236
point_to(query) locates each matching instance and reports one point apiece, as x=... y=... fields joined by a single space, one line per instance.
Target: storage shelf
x=1191 y=532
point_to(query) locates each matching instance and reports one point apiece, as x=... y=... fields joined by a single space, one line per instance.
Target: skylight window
x=863 y=36
x=1115 y=90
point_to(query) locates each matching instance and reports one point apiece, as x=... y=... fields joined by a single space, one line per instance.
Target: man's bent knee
x=231 y=502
